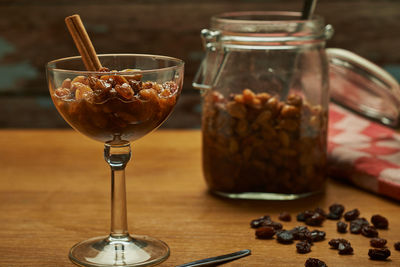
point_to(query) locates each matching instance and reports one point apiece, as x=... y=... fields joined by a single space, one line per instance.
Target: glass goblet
x=116 y=107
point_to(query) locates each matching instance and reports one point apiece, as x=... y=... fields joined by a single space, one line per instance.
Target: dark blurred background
x=33 y=33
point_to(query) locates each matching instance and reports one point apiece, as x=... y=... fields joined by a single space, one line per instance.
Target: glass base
x=264 y=196
x=128 y=250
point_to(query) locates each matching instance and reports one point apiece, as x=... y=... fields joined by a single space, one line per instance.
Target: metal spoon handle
x=218 y=259
x=308 y=9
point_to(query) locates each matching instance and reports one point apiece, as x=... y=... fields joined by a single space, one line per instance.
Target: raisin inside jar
x=111 y=107
x=259 y=143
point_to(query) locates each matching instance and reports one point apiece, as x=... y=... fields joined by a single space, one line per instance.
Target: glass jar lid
x=363 y=87
x=267 y=23
x=266 y=28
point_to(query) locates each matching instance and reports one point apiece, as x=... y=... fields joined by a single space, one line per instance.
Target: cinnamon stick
x=83 y=43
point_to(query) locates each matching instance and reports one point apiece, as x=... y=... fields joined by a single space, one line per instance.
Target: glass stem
x=117 y=154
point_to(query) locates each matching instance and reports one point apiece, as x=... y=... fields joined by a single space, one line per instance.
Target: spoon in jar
x=217 y=259
x=306 y=14
x=308 y=9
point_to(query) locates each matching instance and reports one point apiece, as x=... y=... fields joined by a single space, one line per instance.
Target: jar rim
x=262 y=17
x=267 y=22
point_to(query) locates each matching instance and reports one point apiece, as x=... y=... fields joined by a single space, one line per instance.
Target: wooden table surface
x=54 y=192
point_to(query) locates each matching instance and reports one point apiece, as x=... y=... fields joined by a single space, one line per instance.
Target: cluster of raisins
x=266 y=228
x=260 y=136
x=359 y=226
x=312 y=217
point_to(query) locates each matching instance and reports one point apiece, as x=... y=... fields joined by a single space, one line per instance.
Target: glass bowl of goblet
x=128 y=98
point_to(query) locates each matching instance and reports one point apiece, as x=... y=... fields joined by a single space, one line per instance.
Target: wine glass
x=122 y=102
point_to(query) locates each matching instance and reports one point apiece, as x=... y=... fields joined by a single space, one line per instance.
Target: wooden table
x=54 y=192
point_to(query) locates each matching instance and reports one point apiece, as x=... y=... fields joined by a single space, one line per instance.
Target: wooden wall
x=33 y=33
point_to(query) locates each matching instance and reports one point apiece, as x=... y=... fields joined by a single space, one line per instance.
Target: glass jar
x=264 y=84
x=264 y=81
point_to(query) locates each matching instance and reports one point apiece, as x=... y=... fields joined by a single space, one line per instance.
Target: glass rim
x=229 y=17
x=179 y=64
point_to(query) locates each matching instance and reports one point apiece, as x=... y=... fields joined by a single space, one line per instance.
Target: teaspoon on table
x=217 y=259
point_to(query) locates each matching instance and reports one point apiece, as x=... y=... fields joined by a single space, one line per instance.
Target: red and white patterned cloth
x=364 y=153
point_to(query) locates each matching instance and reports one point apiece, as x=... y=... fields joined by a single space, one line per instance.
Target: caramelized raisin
x=62 y=92
x=289 y=111
x=294 y=100
x=66 y=83
x=124 y=90
x=135 y=85
x=104 y=69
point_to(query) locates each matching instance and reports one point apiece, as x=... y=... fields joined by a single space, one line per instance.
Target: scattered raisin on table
x=298 y=229
x=335 y=211
x=315 y=220
x=309 y=213
x=320 y=211
x=265 y=232
x=334 y=243
x=377 y=242
x=258 y=222
x=357 y=224
x=341 y=227
x=397 y=246
x=345 y=248
x=369 y=231
x=275 y=225
x=301 y=217
x=317 y=235
x=284 y=237
x=351 y=215
x=285 y=216
x=336 y=208
x=301 y=233
x=313 y=262
x=379 y=221
x=303 y=247
x=379 y=254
